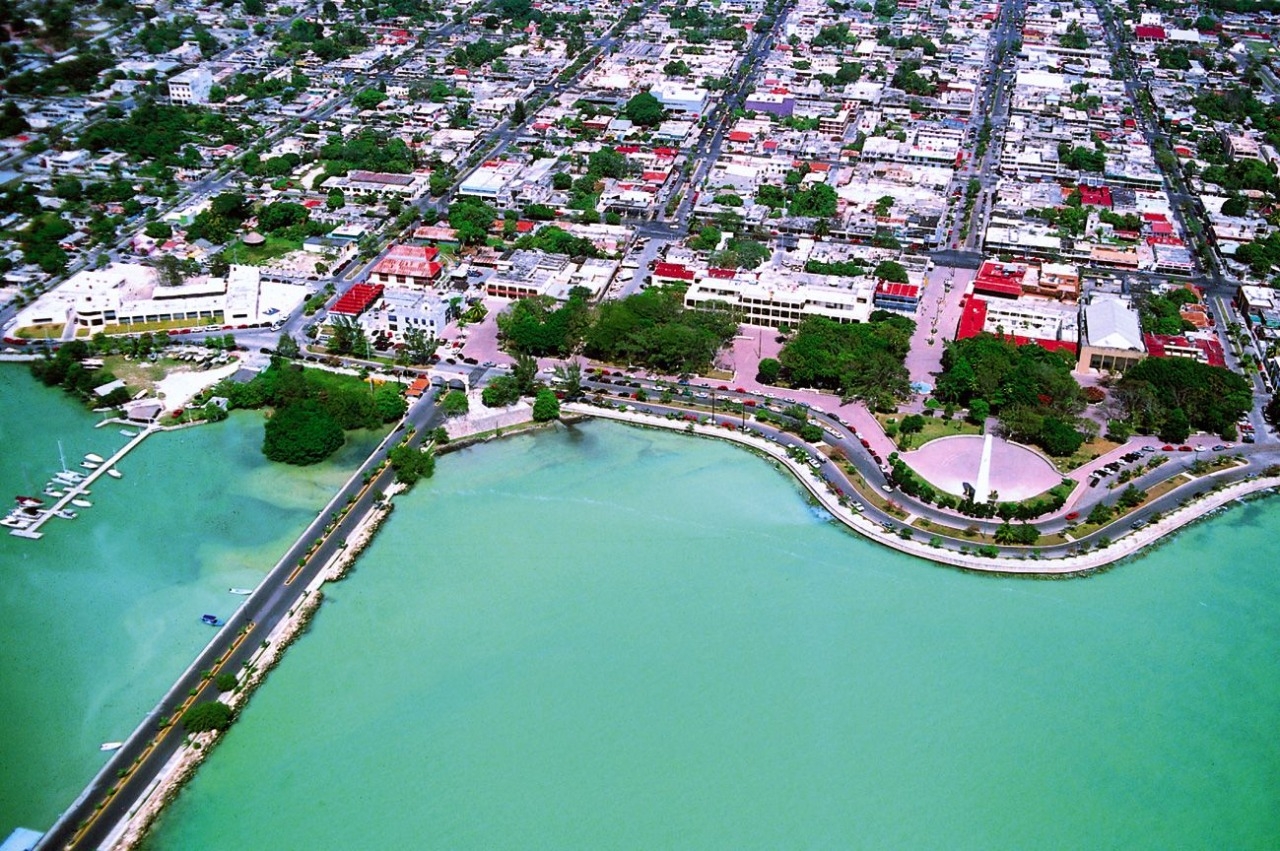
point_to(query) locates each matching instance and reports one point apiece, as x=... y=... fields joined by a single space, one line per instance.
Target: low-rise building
x=1112 y=339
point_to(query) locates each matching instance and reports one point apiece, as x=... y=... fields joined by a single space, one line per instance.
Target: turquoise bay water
x=609 y=638
x=99 y=616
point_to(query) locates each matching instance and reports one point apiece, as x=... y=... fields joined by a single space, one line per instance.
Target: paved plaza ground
x=1014 y=472
x=936 y=320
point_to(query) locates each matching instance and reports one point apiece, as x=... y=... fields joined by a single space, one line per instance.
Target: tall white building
x=190 y=86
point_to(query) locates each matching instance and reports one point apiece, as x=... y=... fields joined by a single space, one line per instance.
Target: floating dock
x=79 y=489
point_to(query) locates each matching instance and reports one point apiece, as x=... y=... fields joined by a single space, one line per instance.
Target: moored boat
x=211 y=620
x=127 y=433
x=111 y=746
x=97 y=459
x=29 y=501
x=241 y=591
x=65 y=514
x=16 y=521
x=54 y=492
x=82 y=503
x=68 y=476
x=89 y=465
x=114 y=473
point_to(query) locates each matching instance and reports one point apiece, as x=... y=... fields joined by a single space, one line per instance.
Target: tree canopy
x=653 y=328
x=863 y=361
x=301 y=433
x=644 y=109
x=1162 y=393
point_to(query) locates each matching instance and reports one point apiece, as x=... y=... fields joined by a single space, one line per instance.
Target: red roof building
x=673 y=272
x=1176 y=346
x=357 y=300
x=407 y=265
x=1095 y=196
x=972 y=318
x=1000 y=279
x=1148 y=33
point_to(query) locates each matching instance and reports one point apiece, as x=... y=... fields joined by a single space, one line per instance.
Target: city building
x=1112 y=339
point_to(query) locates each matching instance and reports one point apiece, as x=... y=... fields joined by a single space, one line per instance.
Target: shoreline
x=133 y=830
x=1131 y=544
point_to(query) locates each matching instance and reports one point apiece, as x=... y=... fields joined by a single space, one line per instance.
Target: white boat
x=111 y=746
x=82 y=503
x=88 y=465
x=68 y=477
x=114 y=473
x=241 y=591
x=65 y=514
x=127 y=433
x=97 y=459
x=14 y=522
x=54 y=492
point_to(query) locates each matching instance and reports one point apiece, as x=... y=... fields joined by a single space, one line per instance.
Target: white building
x=402 y=310
x=772 y=298
x=190 y=86
x=126 y=294
x=679 y=97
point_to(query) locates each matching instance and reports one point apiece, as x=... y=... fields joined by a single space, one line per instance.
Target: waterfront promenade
x=1011 y=562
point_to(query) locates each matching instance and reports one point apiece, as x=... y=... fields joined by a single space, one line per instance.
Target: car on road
x=1185 y=448
x=1220 y=447
x=1166 y=448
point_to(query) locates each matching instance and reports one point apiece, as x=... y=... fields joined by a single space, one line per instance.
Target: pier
x=79 y=489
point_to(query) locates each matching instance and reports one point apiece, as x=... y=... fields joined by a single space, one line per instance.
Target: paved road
x=278 y=593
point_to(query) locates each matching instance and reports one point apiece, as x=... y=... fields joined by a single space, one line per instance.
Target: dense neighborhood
x=1055 y=222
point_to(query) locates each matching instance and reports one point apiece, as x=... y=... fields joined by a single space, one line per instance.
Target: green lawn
x=256 y=255
x=934 y=427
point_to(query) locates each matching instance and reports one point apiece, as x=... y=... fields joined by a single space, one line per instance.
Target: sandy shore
x=180 y=387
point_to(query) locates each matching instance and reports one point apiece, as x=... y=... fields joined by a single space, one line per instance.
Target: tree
x=169 y=270
x=455 y=404
x=1058 y=438
x=418 y=347
x=1132 y=497
x=411 y=463
x=1100 y=514
x=911 y=424
x=561 y=181
x=287 y=347
x=337 y=199
x=390 y=403
x=892 y=271
x=207 y=715
x=301 y=433
x=546 y=406
x=500 y=392
x=158 y=230
x=818 y=201
x=518 y=113
x=1176 y=427
x=368 y=99
x=471 y=219
x=570 y=377
x=644 y=109
x=768 y=370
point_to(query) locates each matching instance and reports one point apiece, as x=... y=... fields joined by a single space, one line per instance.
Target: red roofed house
x=407 y=265
x=1000 y=279
x=1148 y=33
x=1177 y=346
x=893 y=296
x=671 y=273
x=1095 y=196
x=357 y=300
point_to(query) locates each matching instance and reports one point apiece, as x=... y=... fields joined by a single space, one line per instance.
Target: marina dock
x=78 y=489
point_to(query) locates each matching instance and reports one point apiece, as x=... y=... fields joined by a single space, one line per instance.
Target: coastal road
x=281 y=590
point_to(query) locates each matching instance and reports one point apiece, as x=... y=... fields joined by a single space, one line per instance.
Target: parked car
x=1185 y=448
x=1166 y=448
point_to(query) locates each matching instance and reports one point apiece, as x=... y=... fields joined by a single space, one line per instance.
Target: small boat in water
x=16 y=521
x=65 y=514
x=97 y=459
x=114 y=473
x=68 y=477
x=88 y=465
x=127 y=433
x=54 y=492
x=211 y=620
x=243 y=592
x=29 y=501
x=111 y=746
x=82 y=503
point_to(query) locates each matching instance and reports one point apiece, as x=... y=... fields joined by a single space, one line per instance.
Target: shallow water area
x=99 y=616
x=609 y=637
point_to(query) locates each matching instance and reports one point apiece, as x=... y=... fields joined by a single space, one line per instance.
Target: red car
x=723 y=387
x=1166 y=448
x=1185 y=448
x=750 y=403
x=741 y=390
x=1074 y=515
x=866 y=443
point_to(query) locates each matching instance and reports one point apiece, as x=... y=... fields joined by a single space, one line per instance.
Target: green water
x=98 y=617
x=626 y=639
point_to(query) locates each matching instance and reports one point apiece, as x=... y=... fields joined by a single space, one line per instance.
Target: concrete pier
x=78 y=489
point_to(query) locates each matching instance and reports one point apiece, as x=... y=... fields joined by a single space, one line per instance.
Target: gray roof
x=1111 y=323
